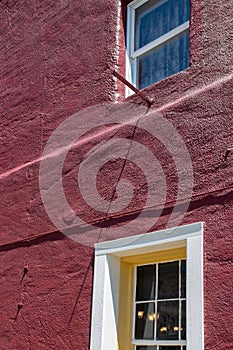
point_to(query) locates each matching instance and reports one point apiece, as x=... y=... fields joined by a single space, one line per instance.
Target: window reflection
x=168 y=320
x=144 y=321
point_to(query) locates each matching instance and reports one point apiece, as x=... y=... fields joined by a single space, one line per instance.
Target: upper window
x=157 y=40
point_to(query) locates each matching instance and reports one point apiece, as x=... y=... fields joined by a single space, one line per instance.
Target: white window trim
x=131 y=54
x=107 y=280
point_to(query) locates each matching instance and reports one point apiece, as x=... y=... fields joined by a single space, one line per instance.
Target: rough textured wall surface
x=56 y=58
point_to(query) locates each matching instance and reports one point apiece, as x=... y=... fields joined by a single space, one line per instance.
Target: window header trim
x=169 y=238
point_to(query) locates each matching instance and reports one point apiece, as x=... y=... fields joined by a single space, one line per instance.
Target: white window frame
x=131 y=54
x=105 y=303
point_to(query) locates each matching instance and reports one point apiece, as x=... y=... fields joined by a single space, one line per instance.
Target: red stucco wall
x=56 y=58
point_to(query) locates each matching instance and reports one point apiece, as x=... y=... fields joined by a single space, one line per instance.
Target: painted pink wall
x=56 y=58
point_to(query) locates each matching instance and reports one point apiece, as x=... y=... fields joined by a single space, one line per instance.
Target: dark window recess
x=168 y=280
x=146 y=282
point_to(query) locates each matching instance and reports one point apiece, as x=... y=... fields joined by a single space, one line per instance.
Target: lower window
x=143 y=299
x=160 y=304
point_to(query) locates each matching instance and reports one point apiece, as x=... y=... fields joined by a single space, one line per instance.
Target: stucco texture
x=56 y=58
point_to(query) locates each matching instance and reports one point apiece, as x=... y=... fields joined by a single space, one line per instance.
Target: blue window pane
x=156 y=18
x=164 y=60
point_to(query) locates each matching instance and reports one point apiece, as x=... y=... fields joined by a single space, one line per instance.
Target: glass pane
x=168 y=280
x=144 y=321
x=168 y=320
x=145 y=347
x=183 y=319
x=146 y=276
x=183 y=279
x=154 y=19
x=170 y=347
x=164 y=60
